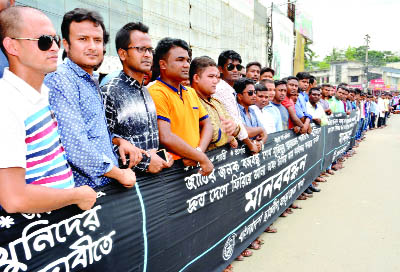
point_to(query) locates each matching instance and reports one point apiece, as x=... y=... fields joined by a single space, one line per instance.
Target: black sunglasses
x=231 y=66
x=250 y=93
x=44 y=42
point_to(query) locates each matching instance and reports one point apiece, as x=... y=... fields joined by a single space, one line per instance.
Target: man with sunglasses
x=3 y=60
x=31 y=153
x=246 y=97
x=229 y=66
x=77 y=103
x=130 y=110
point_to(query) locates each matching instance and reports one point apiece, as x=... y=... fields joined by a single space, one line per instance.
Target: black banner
x=177 y=220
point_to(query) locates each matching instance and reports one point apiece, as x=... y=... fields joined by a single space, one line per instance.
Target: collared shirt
x=265 y=118
x=75 y=98
x=301 y=105
x=3 y=63
x=251 y=121
x=276 y=115
x=227 y=95
x=349 y=107
x=181 y=108
x=317 y=113
x=30 y=137
x=336 y=105
x=374 y=108
x=284 y=115
x=324 y=103
x=215 y=111
x=131 y=114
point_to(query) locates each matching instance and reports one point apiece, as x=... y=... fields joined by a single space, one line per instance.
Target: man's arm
x=292 y=115
x=178 y=146
x=17 y=196
x=206 y=133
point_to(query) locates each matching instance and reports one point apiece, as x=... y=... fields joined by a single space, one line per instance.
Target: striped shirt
x=31 y=140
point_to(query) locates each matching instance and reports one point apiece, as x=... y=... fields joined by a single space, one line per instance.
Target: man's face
x=28 y=53
x=352 y=96
x=340 y=93
x=270 y=91
x=254 y=73
x=85 y=47
x=248 y=97
x=262 y=99
x=231 y=70
x=315 y=96
x=344 y=95
x=325 y=91
x=280 y=92
x=177 y=64
x=132 y=58
x=292 y=86
x=207 y=81
x=303 y=84
x=267 y=75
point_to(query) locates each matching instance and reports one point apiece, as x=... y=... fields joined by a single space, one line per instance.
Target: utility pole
x=367 y=37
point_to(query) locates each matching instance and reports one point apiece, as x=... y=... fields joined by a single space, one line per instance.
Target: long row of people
x=65 y=127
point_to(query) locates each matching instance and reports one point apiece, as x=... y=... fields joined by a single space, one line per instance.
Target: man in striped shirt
x=31 y=153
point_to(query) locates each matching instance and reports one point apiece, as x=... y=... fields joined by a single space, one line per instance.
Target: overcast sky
x=340 y=23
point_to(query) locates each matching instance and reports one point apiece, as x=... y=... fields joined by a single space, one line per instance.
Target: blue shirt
x=284 y=115
x=3 y=63
x=253 y=120
x=301 y=105
x=274 y=111
x=75 y=99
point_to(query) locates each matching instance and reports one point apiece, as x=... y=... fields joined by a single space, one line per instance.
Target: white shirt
x=381 y=107
x=317 y=113
x=29 y=137
x=226 y=95
x=266 y=119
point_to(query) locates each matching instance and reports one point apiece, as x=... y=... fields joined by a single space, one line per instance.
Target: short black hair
x=253 y=63
x=226 y=55
x=123 y=36
x=314 y=89
x=162 y=49
x=79 y=15
x=357 y=90
x=291 y=78
x=267 y=69
x=199 y=64
x=326 y=85
x=241 y=84
x=260 y=87
x=303 y=75
x=279 y=82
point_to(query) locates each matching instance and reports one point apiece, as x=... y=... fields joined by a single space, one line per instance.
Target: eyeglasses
x=142 y=49
x=231 y=66
x=44 y=42
x=250 y=93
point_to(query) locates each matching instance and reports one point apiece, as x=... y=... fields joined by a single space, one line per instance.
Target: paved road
x=353 y=224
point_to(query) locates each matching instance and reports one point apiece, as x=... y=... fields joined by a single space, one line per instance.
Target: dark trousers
x=372 y=121
x=380 y=121
x=384 y=118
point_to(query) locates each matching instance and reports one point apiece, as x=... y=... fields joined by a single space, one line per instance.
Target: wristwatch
x=199 y=149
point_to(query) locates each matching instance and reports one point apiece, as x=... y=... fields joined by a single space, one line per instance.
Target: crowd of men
x=71 y=133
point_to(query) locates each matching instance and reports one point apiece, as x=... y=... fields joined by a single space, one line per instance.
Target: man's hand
x=87 y=197
x=234 y=143
x=348 y=112
x=309 y=130
x=126 y=148
x=304 y=129
x=127 y=178
x=228 y=126
x=328 y=111
x=206 y=166
x=296 y=129
x=317 y=121
x=156 y=162
x=254 y=149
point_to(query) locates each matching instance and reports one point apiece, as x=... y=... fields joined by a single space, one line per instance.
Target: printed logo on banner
x=229 y=247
